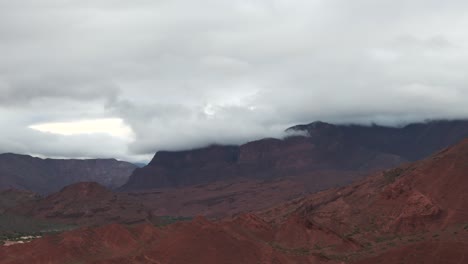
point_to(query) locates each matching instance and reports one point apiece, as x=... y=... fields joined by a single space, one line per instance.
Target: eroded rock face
x=416 y=212
x=331 y=149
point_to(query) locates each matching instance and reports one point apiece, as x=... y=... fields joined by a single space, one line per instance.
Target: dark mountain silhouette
x=50 y=175
x=353 y=149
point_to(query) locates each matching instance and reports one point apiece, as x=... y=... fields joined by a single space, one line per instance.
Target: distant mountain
x=50 y=175
x=352 y=150
x=140 y=164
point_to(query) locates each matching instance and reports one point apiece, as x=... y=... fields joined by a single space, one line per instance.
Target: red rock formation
x=431 y=191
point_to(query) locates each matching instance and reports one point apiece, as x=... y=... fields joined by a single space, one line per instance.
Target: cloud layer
x=183 y=74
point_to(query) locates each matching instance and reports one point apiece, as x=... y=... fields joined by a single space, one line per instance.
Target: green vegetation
x=13 y=227
x=391 y=175
x=167 y=220
x=385 y=238
x=391 y=244
x=293 y=251
x=355 y=231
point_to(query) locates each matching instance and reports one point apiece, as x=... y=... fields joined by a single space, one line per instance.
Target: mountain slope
x=430 y=193
x=49 y=175
x=328 y=148
x=85 y=203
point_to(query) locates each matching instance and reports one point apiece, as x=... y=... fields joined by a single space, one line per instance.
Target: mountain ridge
x=356 y=148
x=44 y=176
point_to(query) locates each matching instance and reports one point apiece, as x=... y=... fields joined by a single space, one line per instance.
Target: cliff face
x=50 y=175
x=412 y=142
x=355 y=149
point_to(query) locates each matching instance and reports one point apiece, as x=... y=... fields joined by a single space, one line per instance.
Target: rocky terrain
x=45 y=176
x=345 y=150
x=13 y=197
x=408 y=214
x=85 y=204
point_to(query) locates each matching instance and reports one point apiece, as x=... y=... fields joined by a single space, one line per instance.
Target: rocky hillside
x=50 y=175
x=85 y=204
x=327 y=148
x=12 y=197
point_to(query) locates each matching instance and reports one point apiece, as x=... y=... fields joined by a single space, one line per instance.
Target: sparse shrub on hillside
x=391 y=175
x=12 y=226
x=167 y=220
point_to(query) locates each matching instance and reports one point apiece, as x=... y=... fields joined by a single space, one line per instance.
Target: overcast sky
x=112 y=78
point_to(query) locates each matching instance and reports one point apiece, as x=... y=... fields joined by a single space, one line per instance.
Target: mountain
x=414 y=213
x=352 y=150
x=219 y=199
x=398 y=216
x=85 y=203
x=50 y=175
x=13 y=197
x=424 y=195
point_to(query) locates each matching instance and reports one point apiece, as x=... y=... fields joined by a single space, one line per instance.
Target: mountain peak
x=310 y=126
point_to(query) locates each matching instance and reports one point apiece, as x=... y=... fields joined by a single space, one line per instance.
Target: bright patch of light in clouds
x=114 y=127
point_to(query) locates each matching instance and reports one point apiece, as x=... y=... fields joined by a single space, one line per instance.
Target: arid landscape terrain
x=402 y=209
x=233 y=132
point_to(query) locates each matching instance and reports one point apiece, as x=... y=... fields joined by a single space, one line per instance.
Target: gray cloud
x=184 y=74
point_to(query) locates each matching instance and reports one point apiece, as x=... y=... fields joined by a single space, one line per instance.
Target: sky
x=124 y=79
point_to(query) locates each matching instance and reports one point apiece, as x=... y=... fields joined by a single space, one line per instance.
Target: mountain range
x=342 y=152
x=413 y=213
x=45 y=176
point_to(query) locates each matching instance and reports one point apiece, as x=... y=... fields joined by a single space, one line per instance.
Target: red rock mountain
x=411 y=214
x=337 y=149
x=50 y=175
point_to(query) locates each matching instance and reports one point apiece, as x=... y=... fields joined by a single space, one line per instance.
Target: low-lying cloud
x=185 y=74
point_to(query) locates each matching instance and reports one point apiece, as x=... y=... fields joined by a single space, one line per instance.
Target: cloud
x=183 y=74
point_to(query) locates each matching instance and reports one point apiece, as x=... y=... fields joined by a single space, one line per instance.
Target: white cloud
x=183 y=74
x=114 y=127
